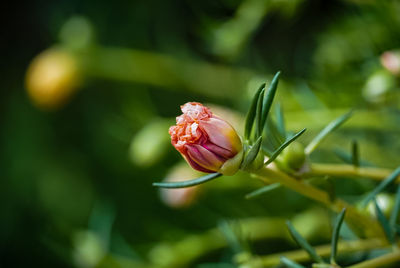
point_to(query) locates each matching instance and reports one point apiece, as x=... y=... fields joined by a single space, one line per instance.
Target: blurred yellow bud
x=52 y=78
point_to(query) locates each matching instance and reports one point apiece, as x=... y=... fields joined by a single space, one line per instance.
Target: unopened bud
x=385 y=203
x=391 y=61
x=206 y=141
x=378 y=86
x=292 y=158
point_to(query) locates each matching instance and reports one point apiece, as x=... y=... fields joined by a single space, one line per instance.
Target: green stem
x=323 y=251
x=363 y=225
x=344 y=170
x=379 y=261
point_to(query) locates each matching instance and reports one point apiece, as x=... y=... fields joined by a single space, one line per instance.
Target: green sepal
x=252 y=154
x=231 y=166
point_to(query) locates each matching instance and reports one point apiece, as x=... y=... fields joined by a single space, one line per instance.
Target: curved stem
x=379 y=261
x=323 y=251
x=344 y=170
x=363 y=225
x=188 y=183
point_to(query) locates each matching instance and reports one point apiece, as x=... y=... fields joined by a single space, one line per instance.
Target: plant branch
x=323 y=251
x=344 y=170
x=379 y=261
x=362 y=225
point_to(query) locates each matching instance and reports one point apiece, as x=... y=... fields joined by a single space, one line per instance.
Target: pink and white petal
x=204 y=158
x=222 y=134
x=219 y=151
x=196 y=166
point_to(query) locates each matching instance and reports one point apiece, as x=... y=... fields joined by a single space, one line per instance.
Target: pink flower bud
x=391 y=61
x=208 y=143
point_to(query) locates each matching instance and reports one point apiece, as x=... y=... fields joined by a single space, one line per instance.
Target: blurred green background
x=75 y=186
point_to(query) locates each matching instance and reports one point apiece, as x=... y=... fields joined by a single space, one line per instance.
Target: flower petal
x=221 y=133
x=204 y=158
x=219 y=151
x=196 y=166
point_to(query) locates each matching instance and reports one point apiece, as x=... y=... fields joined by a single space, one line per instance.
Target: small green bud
x=150 y=144
x=89 y=249
x=77 y=33
x=292 y=157
x=378 y=86
x=385 y=203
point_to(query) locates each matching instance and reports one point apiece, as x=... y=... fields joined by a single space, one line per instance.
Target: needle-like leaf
x=303 y=243
x=183 y=184
x=396 y=208
x=227 y=229
x=269 y=98
x=258 y=121
x=290 y=264
x=397 y=229
x=251 y=115
x=272 y=133
x=384 y=223
x=382 y=186
x=348 y=158
x=280 y=119
x=263 y=190
x=355 y=154
x=335 y=235
x=327 y=130
x=283 y=146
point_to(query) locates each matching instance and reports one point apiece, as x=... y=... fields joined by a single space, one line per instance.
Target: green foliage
x=276 y=153
x=384 y=223
x=76 y=185
x=187 y=183
x=303 y=243
x=386 y=182
x=326 y=131
x=263 y=190
x=335 y=235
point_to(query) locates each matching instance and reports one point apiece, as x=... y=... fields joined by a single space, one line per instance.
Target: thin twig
x=323 y=251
